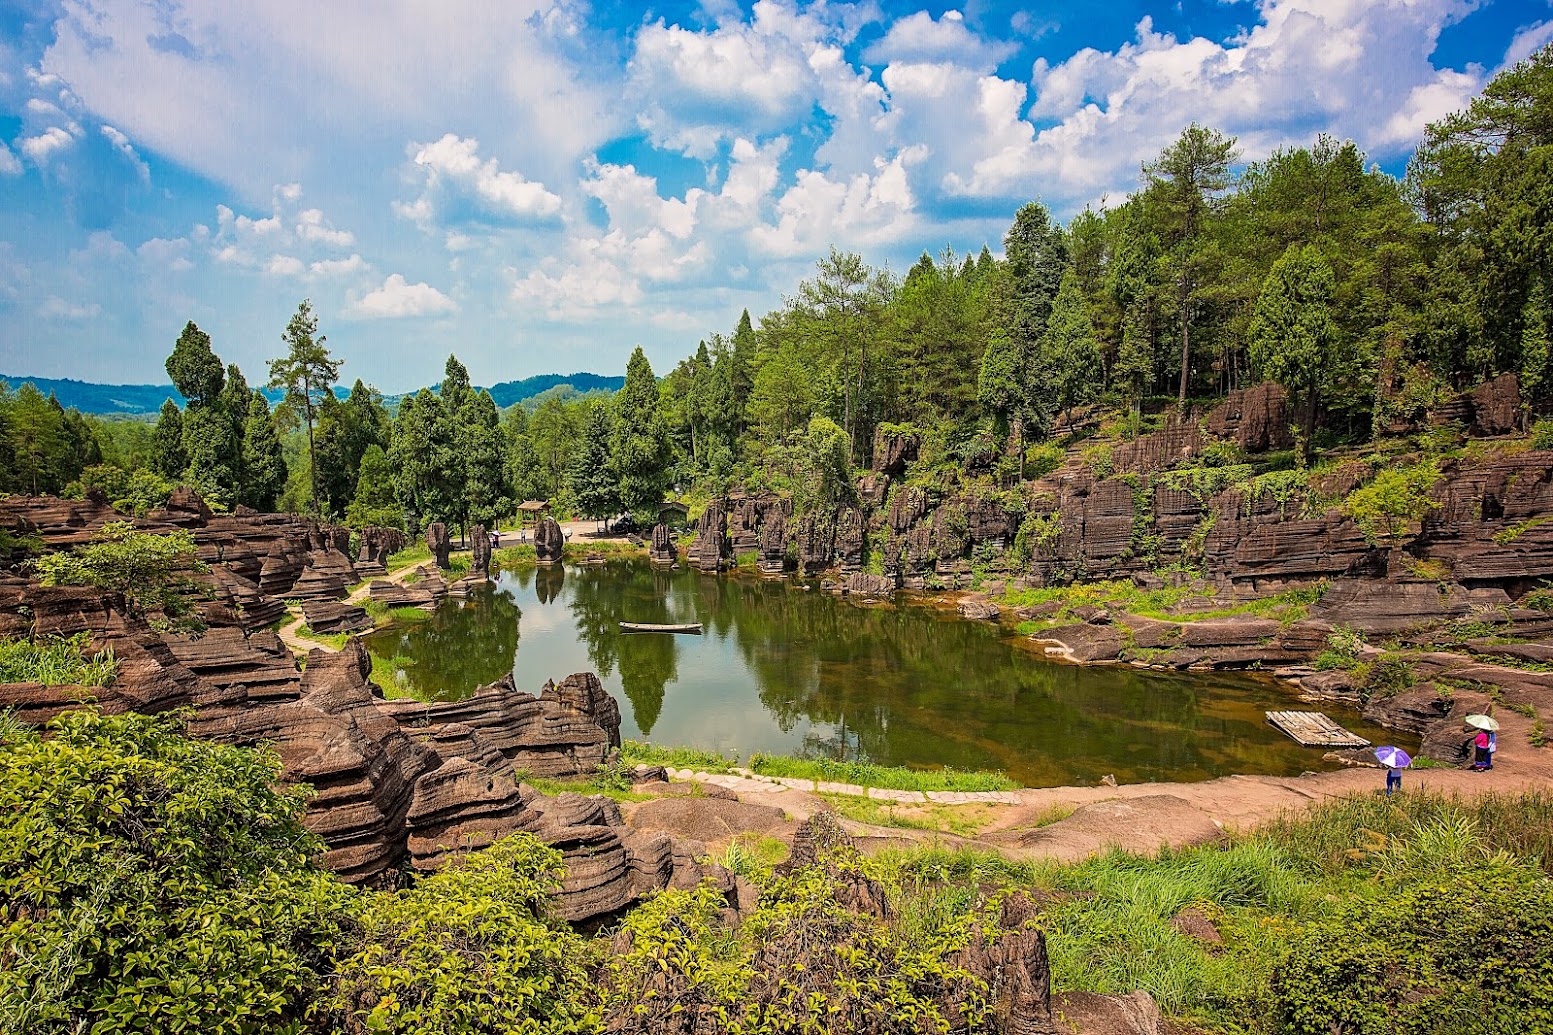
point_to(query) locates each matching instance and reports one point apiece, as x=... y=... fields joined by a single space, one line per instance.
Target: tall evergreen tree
x=264 y=463
x=195 y=370
x=306 y=370
x=1294 y=338
x=1185 y=184
x=1070 y=354
x=485 y=494
x=591 y=477
x=639 y=454
x=169 y=457
x=376 y=502
x=41 y=451
x=422 y=459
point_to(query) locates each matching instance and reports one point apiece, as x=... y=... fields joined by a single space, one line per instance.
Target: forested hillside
x=1370 y=300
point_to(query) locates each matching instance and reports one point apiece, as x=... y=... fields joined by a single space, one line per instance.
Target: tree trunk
x=312 y=456
x=1186 y=355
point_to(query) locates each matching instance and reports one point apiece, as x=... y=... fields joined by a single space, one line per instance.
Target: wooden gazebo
x=529 y=511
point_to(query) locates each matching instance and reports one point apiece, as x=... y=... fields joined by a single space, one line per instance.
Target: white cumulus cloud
x=398 y=298
x=46 y=145
x=122 y=145
x=10 y=165
x=455 y=178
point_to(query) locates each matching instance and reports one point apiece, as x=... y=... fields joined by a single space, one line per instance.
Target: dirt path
x=290 y=633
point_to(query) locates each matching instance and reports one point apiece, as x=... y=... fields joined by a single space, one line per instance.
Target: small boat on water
x=644 y=627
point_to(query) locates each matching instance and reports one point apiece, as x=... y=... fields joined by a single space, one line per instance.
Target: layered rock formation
x=377 y=545
x=549 y=541
x=710 y=552
x=439 y=543
x=661 y=551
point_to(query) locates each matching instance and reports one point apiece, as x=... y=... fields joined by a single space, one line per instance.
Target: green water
x=781 y=669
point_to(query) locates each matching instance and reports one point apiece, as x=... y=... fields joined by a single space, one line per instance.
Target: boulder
x=816 y=542
x=772 y=558
x=1088 y=1013
x=1496 y=406
x=1256 y=419
x=439 y=543
x=710 y=551
x=864 y=584
x=549 y=541
x=979 y=609
x=377 y=545
x=331 y=617
x=662 y=552
x=894 y=448
x=479 y=551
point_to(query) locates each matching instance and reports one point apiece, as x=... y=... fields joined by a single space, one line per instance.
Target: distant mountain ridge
x=134 y=400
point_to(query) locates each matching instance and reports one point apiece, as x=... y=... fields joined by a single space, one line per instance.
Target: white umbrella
x=1482 y=722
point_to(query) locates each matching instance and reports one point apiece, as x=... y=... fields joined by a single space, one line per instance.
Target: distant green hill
x=142 y=399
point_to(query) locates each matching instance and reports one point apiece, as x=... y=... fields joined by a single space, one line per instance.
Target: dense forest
x=1368 y=298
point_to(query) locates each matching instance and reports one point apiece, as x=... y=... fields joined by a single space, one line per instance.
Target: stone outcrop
x=479 y=551
x=710 y=552
x=773 y=545
x=1256 y=419
x=377 y=545
x=893 y=450
x=439 y=543
x=661 y=552
x=549 y=541
x=423 y=588
x=332 y=616
x=816 y=542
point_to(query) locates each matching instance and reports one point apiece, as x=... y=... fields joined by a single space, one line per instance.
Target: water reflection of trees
x=463 y=645
x=601 y=598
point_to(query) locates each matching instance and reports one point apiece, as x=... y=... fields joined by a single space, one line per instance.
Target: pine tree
x=376 y=502
x=591 y=477
x=41 y=450
x=167 y=444
x=422 y=459
x=195 y=370
x=264 y=463
x=1070 y=353
x=1294 y=338
x=207 y=442
x=639 y=453
x=305 y=370
x=485 y=492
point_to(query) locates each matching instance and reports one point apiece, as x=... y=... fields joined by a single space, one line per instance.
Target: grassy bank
x=864 y=774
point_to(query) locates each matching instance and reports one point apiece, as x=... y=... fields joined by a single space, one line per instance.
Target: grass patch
x=599 y=784
x=334 y=641
x=635 y=752
x=386 y=673
x=867 y=774
x=1162 y=603
x=56 y=661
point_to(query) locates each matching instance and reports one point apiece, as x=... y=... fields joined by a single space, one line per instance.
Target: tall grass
x=56 y=661
x=635 y=752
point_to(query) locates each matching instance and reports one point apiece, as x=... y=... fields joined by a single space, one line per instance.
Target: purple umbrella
x=1393 y=757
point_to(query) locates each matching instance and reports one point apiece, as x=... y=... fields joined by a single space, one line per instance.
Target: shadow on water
x=786 y=670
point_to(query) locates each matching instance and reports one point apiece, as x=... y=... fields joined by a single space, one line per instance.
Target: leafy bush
x=1467 y=950
x=1387 y=676
x=129 y=493
x=472 y=949
x=154 y=572
x=1342 y=650
x=151 y=883
x=1396 y=497
x=1542 y=434
x=56 y=661
x=1043 y=458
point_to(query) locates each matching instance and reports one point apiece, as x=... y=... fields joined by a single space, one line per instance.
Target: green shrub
x=1395 y=498
x=1342 y=650
x=150 y=883
x=1043 y=458
x=1388 y=675
x=1467 y=950
x=1542 y=434
x=56 y=661
x=473 y=948
x=154 y=572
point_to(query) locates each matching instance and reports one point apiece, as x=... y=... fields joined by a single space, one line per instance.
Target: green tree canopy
x=195 y=370
x=306 y=370
x=639 y=450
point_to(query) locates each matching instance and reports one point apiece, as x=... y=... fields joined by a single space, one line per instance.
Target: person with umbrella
x=1395 y=760
x=1484 y=743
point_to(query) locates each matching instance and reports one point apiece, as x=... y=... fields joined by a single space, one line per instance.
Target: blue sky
x=541 y=186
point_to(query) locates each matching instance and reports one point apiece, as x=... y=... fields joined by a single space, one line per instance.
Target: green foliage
x=639 y=453
x=305 y=372
x=591 y=475
x=195 y=370
x=1043 y=458
x=1069 y=354
x=636 y=752
x=375 y=502
x=1542 y=435
x=1342 y=650
x=130 y=493
x=150 y=883
x=56 y=661
x=1469 y=950
x=1294 y=336
x=154 y=572
x=473 y=949
x=1393 y=500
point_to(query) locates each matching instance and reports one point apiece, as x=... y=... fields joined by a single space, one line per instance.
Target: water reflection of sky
x=783 y=670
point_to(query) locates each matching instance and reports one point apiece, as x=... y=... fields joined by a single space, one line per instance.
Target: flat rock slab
x=1085 y=1013
x=707 y=819
x=1139 y=825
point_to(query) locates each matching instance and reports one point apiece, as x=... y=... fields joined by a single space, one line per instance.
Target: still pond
x=794 y=671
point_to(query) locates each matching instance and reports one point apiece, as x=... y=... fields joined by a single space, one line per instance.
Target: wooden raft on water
x=1312 y=729
x=643 y=627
